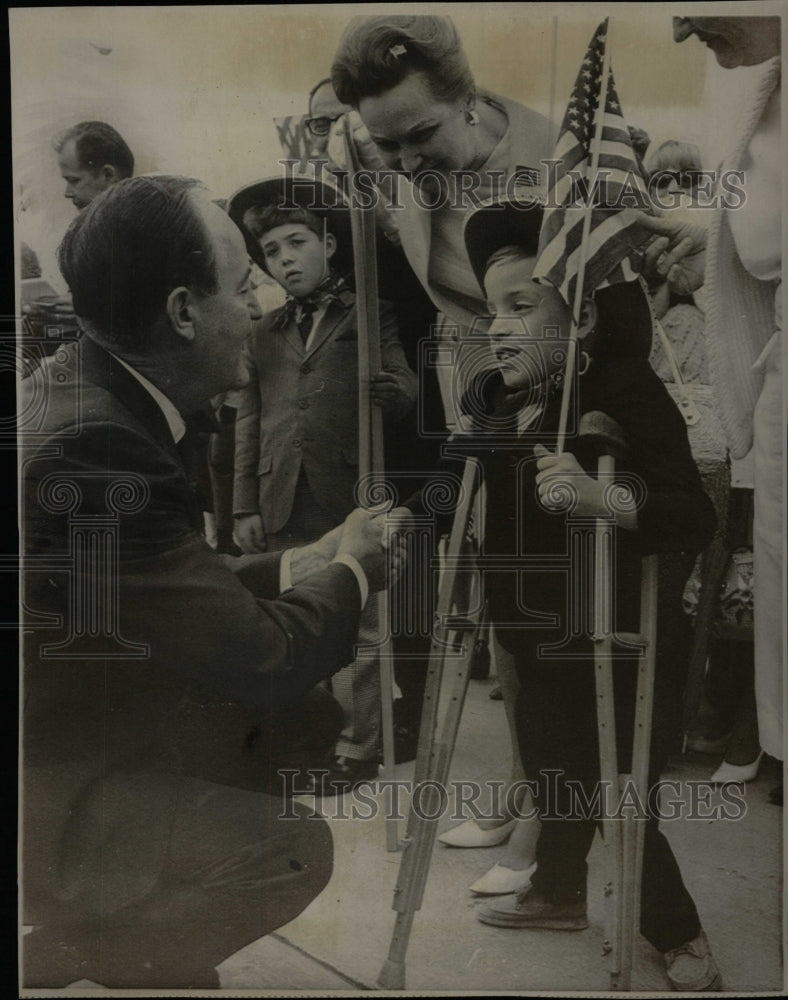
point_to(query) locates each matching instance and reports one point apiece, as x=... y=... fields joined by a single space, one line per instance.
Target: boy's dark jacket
x=676 y=516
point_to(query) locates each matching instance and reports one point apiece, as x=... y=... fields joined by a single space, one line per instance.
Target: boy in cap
x=516 y=414
x=296 y=463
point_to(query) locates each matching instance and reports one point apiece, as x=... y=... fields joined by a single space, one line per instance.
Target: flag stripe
x=574 y=196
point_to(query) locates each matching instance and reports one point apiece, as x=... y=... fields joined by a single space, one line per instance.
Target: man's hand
x=313 y=558
x=363 y=538
x=678 y=253
x=249 y=534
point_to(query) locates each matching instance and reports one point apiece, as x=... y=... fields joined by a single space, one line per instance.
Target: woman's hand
x=678 y=253
x=368 y=155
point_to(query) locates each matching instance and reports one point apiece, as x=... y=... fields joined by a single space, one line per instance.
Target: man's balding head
x=123 y=254
x=160 y=276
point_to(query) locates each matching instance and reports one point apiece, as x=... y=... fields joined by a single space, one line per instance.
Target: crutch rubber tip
x=392 y=975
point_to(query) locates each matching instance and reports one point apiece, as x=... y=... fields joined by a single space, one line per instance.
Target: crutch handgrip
x=602 y=435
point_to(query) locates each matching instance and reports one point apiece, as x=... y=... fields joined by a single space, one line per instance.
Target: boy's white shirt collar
x=317 y=316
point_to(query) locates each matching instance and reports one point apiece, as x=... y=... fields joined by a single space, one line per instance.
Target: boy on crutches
x=536 y=572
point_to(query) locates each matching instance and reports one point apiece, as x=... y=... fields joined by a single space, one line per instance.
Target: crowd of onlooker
x=273 y=457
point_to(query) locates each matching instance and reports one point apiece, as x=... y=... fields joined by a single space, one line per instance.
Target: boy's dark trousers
x=557 y=731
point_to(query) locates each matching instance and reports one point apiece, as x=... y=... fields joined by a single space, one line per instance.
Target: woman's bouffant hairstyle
x=377 y=53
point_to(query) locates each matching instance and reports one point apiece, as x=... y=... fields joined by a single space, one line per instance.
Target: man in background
x=92 y=156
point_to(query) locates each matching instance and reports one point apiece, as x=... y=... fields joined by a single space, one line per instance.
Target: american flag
x=613 y=239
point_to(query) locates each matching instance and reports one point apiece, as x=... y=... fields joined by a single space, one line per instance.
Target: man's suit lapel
x=103 y=370
x=99 y=367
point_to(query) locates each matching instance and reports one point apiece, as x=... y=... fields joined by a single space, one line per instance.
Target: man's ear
x=588 y=318
x=109 y=174
x=180 y=312
x=331 y=245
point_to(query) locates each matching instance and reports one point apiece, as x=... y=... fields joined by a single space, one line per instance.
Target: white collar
x=171 y=415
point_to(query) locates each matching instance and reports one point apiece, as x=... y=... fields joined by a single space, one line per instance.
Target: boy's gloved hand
x=389 y=394
x=564 y=485
x=249 y=534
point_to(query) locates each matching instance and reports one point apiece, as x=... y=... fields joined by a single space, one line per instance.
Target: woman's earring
x=585 y=363
x=472 y=116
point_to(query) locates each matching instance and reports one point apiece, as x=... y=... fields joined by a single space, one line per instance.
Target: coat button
x=303 y=404
x=306 y=368
x=297 y=442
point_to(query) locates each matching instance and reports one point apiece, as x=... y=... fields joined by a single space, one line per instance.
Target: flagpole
x=595 y=147
x=553 y=73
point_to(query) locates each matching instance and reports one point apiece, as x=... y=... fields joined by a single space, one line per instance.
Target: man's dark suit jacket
x=127 y=608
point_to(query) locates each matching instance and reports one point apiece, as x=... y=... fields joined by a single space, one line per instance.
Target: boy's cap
x=502 y=223
x=624 y=309
x=323 y=199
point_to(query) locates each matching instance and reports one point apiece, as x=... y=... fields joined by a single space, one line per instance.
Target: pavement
x=338 y=945
x=732 y=867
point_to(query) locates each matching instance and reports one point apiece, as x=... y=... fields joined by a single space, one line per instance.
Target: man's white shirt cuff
x=352 y=563
x=286 y=579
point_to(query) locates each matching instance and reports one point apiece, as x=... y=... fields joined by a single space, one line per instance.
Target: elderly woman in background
x=452 y=146
x=742 y=254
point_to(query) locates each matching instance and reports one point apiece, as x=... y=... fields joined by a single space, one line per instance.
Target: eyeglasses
x=320 y=126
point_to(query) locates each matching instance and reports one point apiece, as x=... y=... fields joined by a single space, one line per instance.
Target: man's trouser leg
x=154 y=880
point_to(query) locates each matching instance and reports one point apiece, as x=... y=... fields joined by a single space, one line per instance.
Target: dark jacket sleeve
x=675 y=512
x=247 y=435
x=174 y=594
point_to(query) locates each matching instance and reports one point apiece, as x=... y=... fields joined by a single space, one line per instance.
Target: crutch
x=622 y=836
x=434 y=754
x=370 y=437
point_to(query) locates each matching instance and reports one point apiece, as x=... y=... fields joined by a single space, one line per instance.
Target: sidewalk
x=339 y=943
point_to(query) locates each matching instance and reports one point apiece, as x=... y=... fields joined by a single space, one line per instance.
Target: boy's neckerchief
x=331 y=289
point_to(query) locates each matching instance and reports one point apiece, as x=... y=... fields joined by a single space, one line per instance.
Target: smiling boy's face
x=531 y=323
x=296 y=257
